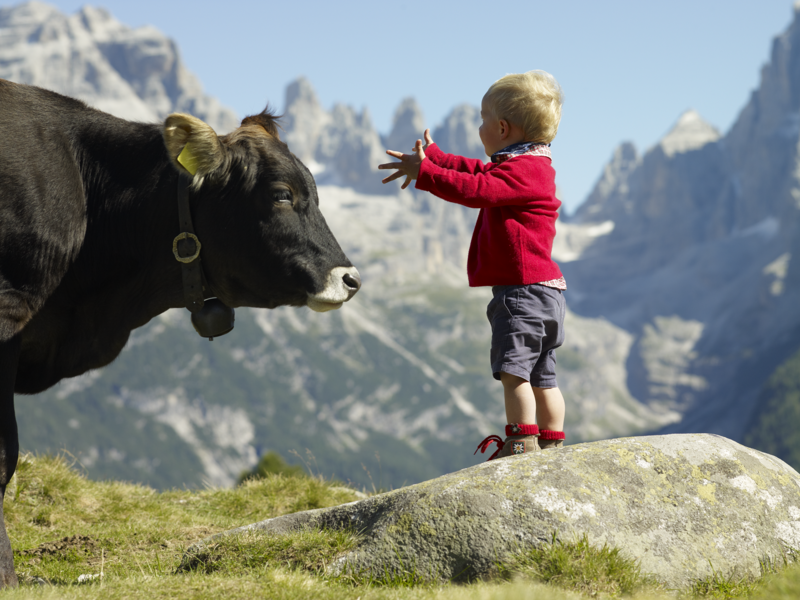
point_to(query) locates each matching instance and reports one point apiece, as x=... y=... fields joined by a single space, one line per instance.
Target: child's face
x=490 y=131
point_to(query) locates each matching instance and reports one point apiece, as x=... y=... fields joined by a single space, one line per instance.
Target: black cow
x=88 y=215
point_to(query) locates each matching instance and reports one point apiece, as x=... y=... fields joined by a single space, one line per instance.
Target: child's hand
x=408 y=165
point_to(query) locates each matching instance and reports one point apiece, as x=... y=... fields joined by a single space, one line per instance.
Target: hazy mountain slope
x=773 y=428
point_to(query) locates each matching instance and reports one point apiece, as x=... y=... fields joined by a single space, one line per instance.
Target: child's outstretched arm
x=409 y=163
x=451 y=161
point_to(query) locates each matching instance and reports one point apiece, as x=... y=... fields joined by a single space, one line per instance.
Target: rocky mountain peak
x=300 y=93
x=25 y=16
x=613 y=183
x=135 y=74
x=407 y=126
x=690 y=132
x=459 y=132
x=98 y=22
x=340 y=146
x=303 y=119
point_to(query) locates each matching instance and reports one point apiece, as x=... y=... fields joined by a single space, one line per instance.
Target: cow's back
x=42 y=205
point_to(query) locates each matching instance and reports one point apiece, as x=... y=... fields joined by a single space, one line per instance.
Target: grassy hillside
x=76 y=538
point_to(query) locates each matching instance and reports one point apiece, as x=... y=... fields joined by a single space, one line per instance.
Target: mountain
x=701 y=263
x=682 y=290
x=132 y=73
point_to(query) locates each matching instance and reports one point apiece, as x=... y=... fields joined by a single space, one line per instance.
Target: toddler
x=511 y=247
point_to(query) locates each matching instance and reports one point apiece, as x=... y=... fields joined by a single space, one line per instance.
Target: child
x=511 y=247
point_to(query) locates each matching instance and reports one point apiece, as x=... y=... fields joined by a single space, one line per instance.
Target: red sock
x=549 y=434
x=521 y=429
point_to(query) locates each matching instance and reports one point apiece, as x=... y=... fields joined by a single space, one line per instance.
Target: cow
x=106 y=223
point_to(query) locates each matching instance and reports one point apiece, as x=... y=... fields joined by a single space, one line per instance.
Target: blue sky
x=629 y=68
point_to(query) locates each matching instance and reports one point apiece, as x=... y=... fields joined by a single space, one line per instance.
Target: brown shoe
x=518 y=444
x=551 y=439
x=521 y=438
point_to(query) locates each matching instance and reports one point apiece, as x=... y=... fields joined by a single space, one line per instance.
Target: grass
x=580 y=567
x=76 y=538
x=63 y=526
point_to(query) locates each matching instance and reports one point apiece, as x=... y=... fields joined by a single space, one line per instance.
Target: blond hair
x=531 y=101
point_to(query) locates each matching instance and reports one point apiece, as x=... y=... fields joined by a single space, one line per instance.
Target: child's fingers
x=428 y=138
x=392 y=177
x=405 y=183
x=390 y=166
x=395 y=153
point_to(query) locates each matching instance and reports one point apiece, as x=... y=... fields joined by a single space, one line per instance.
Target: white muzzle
x=342 y=284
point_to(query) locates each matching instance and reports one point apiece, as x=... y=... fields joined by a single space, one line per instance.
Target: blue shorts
x=527 y=326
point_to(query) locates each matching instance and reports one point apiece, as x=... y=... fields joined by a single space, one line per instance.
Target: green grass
x=129 y=530
x=64 y=526
x=580 y=567
x=271 y=463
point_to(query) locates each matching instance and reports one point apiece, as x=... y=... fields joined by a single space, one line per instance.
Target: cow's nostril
x=352 y=281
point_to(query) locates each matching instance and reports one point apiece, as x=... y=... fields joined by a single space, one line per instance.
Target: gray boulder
x=685 y=506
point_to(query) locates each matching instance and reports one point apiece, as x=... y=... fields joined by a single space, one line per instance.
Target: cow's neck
x=125 y=273
x=132 y=191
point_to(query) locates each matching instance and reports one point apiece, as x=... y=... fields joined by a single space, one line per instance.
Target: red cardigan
x=513 y=238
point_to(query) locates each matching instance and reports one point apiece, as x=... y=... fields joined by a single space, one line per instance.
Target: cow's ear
x=192 y=145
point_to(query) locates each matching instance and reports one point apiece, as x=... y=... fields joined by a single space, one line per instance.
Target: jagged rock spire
x=690 y=132
x=458 y=134
x=408 y=126
x=304 y=119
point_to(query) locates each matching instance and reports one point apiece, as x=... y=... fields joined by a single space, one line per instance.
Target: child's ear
x=504 y=129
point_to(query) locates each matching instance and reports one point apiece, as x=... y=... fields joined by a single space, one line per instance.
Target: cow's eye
x=283 y=196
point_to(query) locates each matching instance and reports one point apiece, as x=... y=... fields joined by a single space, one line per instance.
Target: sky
x=628 y=68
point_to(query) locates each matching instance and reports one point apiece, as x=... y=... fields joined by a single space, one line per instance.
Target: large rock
x=685 y=506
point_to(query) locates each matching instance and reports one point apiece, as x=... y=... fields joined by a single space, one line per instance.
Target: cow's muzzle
x=342 y=284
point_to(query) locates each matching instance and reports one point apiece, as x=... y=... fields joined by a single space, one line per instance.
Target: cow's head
x=256 y=211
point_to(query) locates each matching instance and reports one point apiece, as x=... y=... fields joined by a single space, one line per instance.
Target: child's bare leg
x=520 y=399
x=520 y=410
x=549 y=405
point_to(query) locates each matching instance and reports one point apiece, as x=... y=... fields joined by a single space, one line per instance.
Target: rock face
x=135 y=74
x=680 y=504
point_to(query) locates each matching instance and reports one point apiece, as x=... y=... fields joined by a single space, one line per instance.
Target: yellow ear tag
x=188 y=160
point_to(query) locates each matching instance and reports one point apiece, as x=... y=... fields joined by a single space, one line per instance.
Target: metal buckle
x=183 y=236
